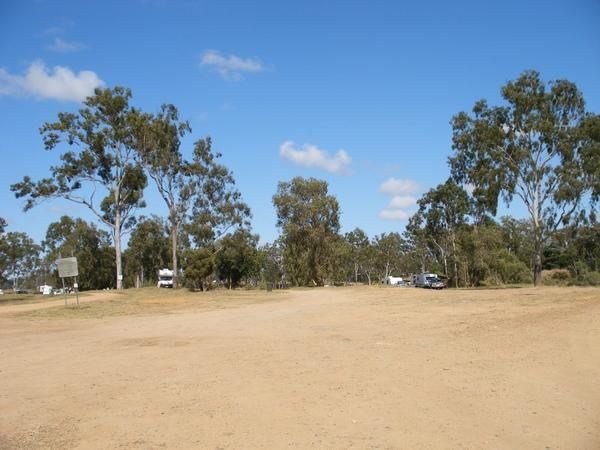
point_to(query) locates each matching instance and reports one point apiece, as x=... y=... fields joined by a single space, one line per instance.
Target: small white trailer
x=394 y=281
x=165 y=278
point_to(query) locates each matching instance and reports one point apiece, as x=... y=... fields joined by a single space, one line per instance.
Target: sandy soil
x=367 y=368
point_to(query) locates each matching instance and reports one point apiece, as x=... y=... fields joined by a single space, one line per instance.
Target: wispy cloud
x=58 y=83
x=402 y=201
x=312 y=156
x=401 y=204
x=395 y=186
x=394 y=214
x=230 y=67
x=60 y=45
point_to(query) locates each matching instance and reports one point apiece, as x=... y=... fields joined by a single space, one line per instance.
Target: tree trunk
x=537 y=263
x=356 y=272
x=174 y=253
x=454 y=259
x=538 y=246
x=118 y=248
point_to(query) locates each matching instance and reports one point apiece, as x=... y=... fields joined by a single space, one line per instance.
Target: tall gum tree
x=309 y=219
x=531 y=148
x=101 y=155
x=159 y=140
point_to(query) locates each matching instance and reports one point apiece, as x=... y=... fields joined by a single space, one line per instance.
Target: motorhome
x=165 y=278
x=427 y=280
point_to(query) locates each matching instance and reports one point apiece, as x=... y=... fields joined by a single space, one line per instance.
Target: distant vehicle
x=46 y=290
x=394 y=281
x=1 y=292
x=165 y=278
x=19 y=291
x=428 y=280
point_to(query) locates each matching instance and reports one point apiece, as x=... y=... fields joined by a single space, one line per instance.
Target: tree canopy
x=101 y=154
x=309 y=220
x=530 y=148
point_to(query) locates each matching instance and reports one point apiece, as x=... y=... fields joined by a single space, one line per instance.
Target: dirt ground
x=366 y=368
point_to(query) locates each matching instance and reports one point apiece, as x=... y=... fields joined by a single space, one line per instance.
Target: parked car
x=437 y=284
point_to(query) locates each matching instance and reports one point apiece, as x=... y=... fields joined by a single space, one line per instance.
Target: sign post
x=67 y=267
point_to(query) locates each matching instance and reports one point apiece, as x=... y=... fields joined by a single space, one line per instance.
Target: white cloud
x=312 y=156
x=61 y=46
x=230 y=67
x=394 y=214
x=58 y=83
x=394 y=186
x=402 y=201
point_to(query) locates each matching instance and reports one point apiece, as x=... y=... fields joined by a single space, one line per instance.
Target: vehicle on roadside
x=394 y=281
x=165 y=278
x=427 y=280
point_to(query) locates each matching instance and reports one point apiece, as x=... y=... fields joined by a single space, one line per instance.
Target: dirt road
x=324 y=368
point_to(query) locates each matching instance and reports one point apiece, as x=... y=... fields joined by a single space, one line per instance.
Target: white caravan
x=165 y=278
x=394 y=281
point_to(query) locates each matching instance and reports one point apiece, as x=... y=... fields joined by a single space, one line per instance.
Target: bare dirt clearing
x=328 y=368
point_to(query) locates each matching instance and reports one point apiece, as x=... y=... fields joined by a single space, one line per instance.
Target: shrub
x=556 y=277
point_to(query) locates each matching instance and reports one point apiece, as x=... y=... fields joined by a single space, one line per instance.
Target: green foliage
x=531 y=148
x=583 y=276
x=147 y=252
x=309 y=220
x=237 y=257
x=433 y=229
x=485 y=260
x=20 y=256
x=590 y=153
x=105 y=156
x=198 y=265
x=217 y=205
x=359 y=244
x=91 y=247
x=270 y=261
x=159 y=141
x=388 y=253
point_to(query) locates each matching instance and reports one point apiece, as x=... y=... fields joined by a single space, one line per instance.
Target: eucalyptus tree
x=217 y=206
x=359 y=243
x=389 y=251
x=238 y=258
x=590 y=153
x=199 y=194
x=308 y=217
x=441 y=212
x=101 y=154
x=148 y=251
x=92 y=247
x=531 y=148
x=21 y=256
x=3 y=225
x=159 y=142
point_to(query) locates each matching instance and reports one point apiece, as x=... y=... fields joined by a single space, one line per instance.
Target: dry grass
x=354 y=367
x=148 y=301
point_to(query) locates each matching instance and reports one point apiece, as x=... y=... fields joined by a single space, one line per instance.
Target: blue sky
x=359 y=93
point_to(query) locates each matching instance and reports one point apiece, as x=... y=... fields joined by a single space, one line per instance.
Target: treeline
x=310 y=251
x=541 y=146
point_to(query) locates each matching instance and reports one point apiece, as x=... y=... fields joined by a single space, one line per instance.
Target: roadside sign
x=67 y=267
